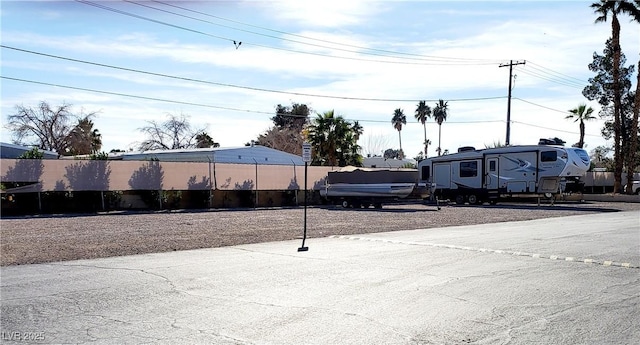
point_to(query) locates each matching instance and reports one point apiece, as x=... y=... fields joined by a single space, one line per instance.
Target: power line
x=199 y=104
x=395 y=53
x=552 y=79
x=107 y=8
x=131 y=96
x=553 y=129
x=559 y=75
x=238 y=86
x=541 y=106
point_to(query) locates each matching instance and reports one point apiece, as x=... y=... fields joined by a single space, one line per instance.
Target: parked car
x=636 y=187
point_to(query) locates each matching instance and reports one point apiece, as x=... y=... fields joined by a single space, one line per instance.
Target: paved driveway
x=569 y=280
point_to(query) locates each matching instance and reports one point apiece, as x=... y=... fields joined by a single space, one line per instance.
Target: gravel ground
x=28 y=240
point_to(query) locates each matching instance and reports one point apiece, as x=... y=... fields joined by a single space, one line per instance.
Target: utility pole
x=511 y=64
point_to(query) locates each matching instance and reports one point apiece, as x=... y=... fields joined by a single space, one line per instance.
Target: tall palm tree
x=440 y=113
x=581 y=113
x=603 y=8
x=423 y=112
x=397 y=121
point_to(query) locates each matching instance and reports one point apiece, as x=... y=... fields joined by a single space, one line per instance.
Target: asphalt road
x=566 y=280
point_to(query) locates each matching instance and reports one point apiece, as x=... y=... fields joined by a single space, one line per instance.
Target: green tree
x=333 y=141
x=600 y=89
x=399 y=119
x=440 y=113
x=603 y=9
x=634 y=155
x=423 y=112
x=34 y=153
x=581 y=113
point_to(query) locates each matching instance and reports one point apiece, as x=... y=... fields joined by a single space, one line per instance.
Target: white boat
x=352 y=186
x=378 y=190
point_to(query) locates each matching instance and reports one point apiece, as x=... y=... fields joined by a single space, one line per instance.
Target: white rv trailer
x=475 y=176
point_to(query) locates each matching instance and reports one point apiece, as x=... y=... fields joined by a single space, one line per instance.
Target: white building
x=254 y=154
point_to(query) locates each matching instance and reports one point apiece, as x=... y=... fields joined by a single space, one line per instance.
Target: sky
x=138 y=61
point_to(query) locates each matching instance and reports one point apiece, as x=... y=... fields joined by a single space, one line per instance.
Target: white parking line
x=495 y=251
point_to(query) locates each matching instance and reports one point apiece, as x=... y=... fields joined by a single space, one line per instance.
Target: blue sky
x=363 y=59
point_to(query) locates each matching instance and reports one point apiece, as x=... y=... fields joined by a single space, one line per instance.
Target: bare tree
x=285 y=139
x=45 y=127
x=175 y=133
x=375 y=144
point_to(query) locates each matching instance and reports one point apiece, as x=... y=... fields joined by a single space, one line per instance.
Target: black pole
x=304 y=236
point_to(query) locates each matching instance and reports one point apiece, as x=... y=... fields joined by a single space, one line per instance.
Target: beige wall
x=59 y=175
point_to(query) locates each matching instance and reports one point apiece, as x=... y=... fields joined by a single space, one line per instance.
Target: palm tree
x=423 y=112
x=426 y=147
x=397 y=121
x=357 y=130
x=440 y=113
x=83 y=138
x=581 y=113
x=204 y=140
x=334 y=140
x=603 y=8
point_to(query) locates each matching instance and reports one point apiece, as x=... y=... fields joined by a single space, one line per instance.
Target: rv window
x=468 y=169
x=425 y=172
x=548 y=156
x=492 y=165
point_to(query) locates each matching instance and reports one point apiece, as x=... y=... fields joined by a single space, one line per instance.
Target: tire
x=459 y=199
x=473 y=199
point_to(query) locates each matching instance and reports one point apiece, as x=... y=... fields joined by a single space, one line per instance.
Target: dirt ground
x=40 y=239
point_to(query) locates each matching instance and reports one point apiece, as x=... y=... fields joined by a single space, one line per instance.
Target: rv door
x=491 y=175
x=442 y=175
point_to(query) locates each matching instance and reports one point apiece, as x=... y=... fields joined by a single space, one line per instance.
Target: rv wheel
x=459 y=199
x=473 y=199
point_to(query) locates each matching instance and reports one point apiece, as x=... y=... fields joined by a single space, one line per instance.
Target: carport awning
x=32 y=188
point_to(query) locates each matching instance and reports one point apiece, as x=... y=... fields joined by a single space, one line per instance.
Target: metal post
x=256 y=199
x=304 y=234
x=306 y=157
